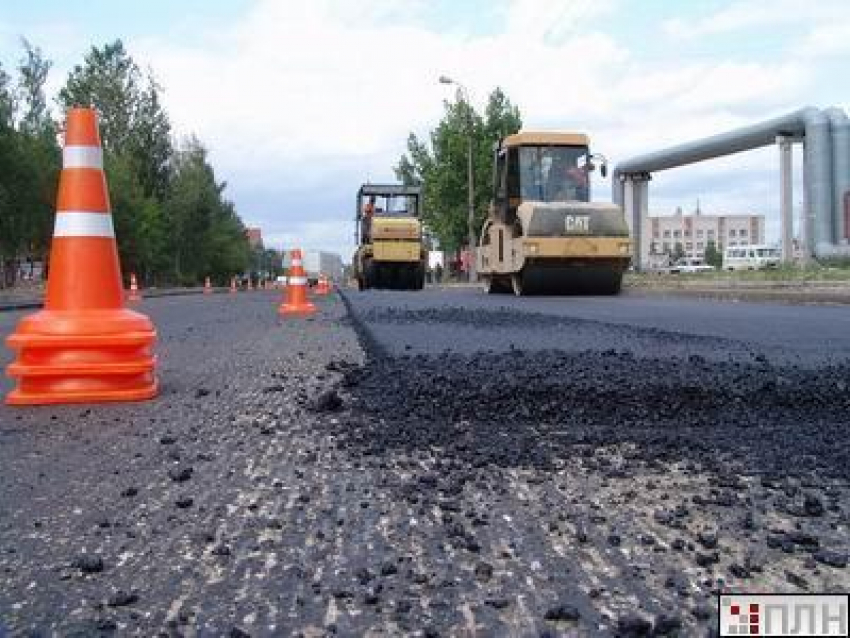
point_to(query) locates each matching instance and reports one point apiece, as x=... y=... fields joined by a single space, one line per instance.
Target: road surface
x=440 y=463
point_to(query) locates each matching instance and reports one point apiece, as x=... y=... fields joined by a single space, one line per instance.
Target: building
x=694 y=231
x=255 y=237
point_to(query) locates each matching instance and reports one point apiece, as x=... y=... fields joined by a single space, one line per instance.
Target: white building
x=694 y=231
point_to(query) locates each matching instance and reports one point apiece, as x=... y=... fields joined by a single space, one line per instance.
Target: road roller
x=542 y=234
x=390 y=248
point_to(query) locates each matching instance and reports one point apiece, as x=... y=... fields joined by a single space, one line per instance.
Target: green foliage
x=132 y=120
x=441 y=167
x=7 y=100
x=207 y=236
x=171 y=220
x=678 y=252
x=28 y=164
x=33 y=70
x=713 y=257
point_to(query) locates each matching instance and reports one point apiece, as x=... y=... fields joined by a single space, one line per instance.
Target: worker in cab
x=368 y=213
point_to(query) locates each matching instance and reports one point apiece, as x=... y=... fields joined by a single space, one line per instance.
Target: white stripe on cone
x=297 y=281
x=82 y=157
x=83 y=224
x=296 y=262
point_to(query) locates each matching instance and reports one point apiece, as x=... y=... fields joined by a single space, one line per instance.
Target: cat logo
x=577 y=223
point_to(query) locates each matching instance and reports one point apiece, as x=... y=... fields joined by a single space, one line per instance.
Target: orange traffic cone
x=322 y=286
x=134 y=289
x=85 y=345
x=296 y=289
x=233 y=285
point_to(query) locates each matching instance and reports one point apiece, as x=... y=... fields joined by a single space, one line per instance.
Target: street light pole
x=470 y=219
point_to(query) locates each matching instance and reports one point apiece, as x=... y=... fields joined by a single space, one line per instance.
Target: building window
x=677 y=234
x=731 y=232
x=689 y=246
x=699 y=234
x=700 y=245
x=666 y=234
x=742 y=232
x=711 y=234
x=733 y=243
x=666 y=247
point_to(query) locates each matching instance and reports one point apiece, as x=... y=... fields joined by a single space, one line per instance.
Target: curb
x=799 y=297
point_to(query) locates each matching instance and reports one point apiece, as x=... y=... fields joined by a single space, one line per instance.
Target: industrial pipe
x=818 y=158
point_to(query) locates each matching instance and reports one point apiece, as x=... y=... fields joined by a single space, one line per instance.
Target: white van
x=754 y=257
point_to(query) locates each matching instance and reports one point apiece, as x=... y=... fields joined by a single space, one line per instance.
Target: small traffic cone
x=85 y=346
x=207 y=287
x=296 y=289
x=134 y=289
x=233 y=285
x=322 y=286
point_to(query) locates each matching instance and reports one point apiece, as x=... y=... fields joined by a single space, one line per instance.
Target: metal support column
x=636 y=209
x=786 y=193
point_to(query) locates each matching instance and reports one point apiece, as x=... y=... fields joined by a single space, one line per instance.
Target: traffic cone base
x=304 y=308
x=82 y=357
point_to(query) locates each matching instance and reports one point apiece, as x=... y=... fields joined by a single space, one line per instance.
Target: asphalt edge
x=374 y=350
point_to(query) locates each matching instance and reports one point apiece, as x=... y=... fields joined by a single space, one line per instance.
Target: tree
x=172 y=222
x=139 y=229
x=713 y=257
x=9 y=214
x=108 y=80
x=39 y=147
x=7 y=101
x=28 y=164
x=33 y=69
x=441 y=166
x=206 y=235
x=136 y=136
x=132 y=120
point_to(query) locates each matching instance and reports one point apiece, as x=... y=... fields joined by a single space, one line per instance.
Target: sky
x=301 y=102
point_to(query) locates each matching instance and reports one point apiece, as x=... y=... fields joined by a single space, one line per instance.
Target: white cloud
x=553 y=21
x=301 y=94
x=300 y=102
x=758 y=15
x=827 y=40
